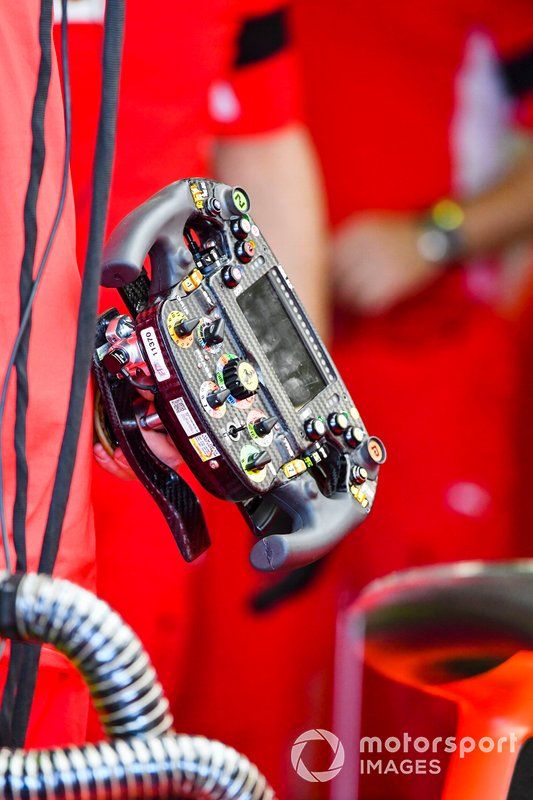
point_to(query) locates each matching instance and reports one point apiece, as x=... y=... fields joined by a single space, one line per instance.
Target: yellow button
x=187 y=285
x=196 y=277
x=289 y=469
x=294 y=467
x=364 y=503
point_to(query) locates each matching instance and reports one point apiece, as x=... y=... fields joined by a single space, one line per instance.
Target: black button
x=337 y=423
x=241 y=227
x=245 y=251
x=231 y=276
x=354 y=436
x=314 y=429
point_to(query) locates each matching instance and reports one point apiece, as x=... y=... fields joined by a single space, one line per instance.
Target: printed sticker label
x=184 y=416
x=153 y=351
x=204 y=447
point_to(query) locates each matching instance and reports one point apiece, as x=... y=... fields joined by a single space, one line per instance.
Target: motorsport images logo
x=337 y=760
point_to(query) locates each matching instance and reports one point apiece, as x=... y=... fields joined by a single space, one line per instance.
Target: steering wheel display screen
x=281 y=342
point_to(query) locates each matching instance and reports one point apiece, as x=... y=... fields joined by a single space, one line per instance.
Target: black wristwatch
x=440 y=240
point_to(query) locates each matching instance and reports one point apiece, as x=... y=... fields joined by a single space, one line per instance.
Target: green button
x=241 y=200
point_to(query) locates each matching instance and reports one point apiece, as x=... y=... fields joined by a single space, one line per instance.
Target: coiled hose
x=145 y=758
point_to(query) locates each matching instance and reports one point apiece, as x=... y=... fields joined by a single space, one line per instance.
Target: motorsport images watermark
x=337 y=758
x=414 y=747
x=401 y=756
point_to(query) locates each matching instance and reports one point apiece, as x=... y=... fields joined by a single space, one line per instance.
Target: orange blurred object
x=462 y=632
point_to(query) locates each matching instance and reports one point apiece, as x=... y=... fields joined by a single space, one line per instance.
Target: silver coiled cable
x=145 y=759
x=170 y=766
x=110 y=657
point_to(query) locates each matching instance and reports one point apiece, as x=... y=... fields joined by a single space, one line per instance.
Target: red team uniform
x=61 y=702
x=408 y=103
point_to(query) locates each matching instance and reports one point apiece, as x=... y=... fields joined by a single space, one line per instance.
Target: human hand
x=376 y=261
x=159 y=443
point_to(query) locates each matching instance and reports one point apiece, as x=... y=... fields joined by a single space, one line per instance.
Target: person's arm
x=279 y=171
x=503 y=213
x=378 y=257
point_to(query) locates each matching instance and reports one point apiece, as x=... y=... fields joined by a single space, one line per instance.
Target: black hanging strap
x=38 y=152
x=103 y=162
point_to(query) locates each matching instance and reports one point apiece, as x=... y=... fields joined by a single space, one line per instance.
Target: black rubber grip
x=155 y=227
x=318 y=524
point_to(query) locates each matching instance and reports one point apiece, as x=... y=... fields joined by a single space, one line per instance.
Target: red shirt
x=408 y=102
x=412 y=93
x=60 y=708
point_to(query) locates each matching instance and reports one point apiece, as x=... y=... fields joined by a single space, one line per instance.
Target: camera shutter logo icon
x=337 y=762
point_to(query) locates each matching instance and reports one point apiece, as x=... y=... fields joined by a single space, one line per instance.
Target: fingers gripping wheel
x=219 y=353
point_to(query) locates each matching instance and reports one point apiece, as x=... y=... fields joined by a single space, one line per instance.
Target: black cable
x=38 y=153
x=19 y=353
x=27 y=310
x=103 y=163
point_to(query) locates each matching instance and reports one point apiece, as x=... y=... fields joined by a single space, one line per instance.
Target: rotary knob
x=186 y=327
x=217 y=399
x=240 y=378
